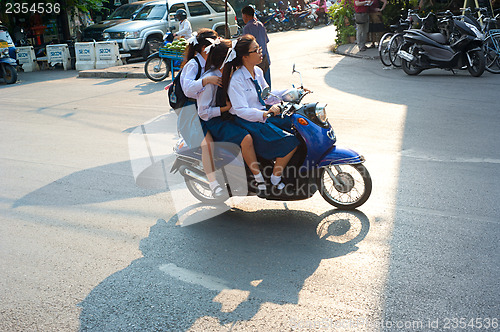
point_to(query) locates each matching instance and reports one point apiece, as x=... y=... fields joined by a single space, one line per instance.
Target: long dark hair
x=201 y=37
x=217 y=54
x=242 y=48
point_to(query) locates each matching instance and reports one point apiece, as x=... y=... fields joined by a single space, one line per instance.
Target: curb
x=123 y=71
x=358 y=56
x=352 y=51
x=109 y=74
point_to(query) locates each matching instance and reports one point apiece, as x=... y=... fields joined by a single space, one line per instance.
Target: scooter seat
x=437 y=37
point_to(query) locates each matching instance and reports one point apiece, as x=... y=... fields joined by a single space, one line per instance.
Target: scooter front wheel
x=345 y=186
x=10 y=74
x=478 y=65
x=156 y=69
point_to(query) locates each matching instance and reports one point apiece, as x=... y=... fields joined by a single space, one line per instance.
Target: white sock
x=260 y=178
x=277 y=179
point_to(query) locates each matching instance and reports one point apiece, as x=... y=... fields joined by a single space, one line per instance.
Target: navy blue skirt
x=224 y=130
x=269 y=140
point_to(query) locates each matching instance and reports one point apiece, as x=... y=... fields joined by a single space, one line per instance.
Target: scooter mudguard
x=341 y=156
x=154 y=55
x=224 y=153
x=12 y=53
x=9 y=61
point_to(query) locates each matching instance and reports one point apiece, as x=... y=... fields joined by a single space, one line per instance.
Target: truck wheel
x=152 y=45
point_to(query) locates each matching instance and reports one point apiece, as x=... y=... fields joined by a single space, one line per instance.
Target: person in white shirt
x=215 y=117
x=272 y=136
x=188 y=122
x=185 y=29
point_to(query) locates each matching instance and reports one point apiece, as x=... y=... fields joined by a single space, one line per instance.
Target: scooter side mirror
x=265 y=93
x=300 y=75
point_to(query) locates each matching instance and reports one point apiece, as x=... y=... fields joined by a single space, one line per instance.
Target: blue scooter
x=7 y=57
x=317 y=165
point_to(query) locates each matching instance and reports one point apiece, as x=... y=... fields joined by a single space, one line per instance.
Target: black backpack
x=176 y=96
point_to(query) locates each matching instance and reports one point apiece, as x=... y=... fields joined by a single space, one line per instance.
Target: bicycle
x=491 y=43
x=390 y=42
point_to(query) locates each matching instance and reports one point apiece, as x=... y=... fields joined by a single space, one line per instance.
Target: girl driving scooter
x=272 y=136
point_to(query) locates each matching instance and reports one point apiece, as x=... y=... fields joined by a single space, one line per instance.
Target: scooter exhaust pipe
x=186 y=172
x=406 y=56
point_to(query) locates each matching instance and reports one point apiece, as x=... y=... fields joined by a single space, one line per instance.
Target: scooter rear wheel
x=202 y=192
x=10 y=74
x=354 y=185
x=156 y=69
x=408 y=68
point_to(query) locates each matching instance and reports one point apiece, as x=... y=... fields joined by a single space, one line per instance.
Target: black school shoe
x=275 y=191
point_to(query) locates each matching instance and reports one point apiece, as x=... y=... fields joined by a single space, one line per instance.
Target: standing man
x=255 y=28
x=362 y=18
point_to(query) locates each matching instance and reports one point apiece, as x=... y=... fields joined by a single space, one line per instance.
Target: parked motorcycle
x=317 y=165
x=458 y=46
x=269 y=19
x=319 y=12
x=284 y=19
x=302 y=19
x=7 y=57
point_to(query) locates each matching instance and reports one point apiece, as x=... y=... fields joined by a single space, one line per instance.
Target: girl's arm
x=192 y=87
x=240 y=103
x=204 y=101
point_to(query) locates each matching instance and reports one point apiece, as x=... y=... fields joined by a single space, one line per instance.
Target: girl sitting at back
x=192 y=83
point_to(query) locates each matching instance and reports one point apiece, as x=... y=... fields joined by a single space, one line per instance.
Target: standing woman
x=244 y=90
x=188 y=122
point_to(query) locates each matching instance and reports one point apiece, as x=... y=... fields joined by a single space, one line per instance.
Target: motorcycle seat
x=436 y=36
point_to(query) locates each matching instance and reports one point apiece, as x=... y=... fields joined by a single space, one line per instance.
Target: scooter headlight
x=321 y=112
x=478 y=33
x=5 y=51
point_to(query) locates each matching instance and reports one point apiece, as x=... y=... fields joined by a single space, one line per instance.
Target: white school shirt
x=243 y=95
x=206 y=98
x=185 y=29
x=190 y=86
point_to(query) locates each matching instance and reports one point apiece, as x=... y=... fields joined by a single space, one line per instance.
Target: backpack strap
x=199 y=68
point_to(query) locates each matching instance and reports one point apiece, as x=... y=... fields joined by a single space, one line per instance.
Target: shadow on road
x=225 y=268
x=105 y=183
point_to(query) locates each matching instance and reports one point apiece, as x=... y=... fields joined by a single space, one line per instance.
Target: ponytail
x=201 y=41
x=241 y=48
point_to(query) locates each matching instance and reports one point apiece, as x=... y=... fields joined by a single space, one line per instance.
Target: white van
x=143 y=35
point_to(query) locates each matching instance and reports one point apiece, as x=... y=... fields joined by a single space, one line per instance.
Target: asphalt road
x=84 y=248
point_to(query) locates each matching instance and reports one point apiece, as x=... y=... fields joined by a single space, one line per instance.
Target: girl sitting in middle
x=214 y=113
x=272 y=137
